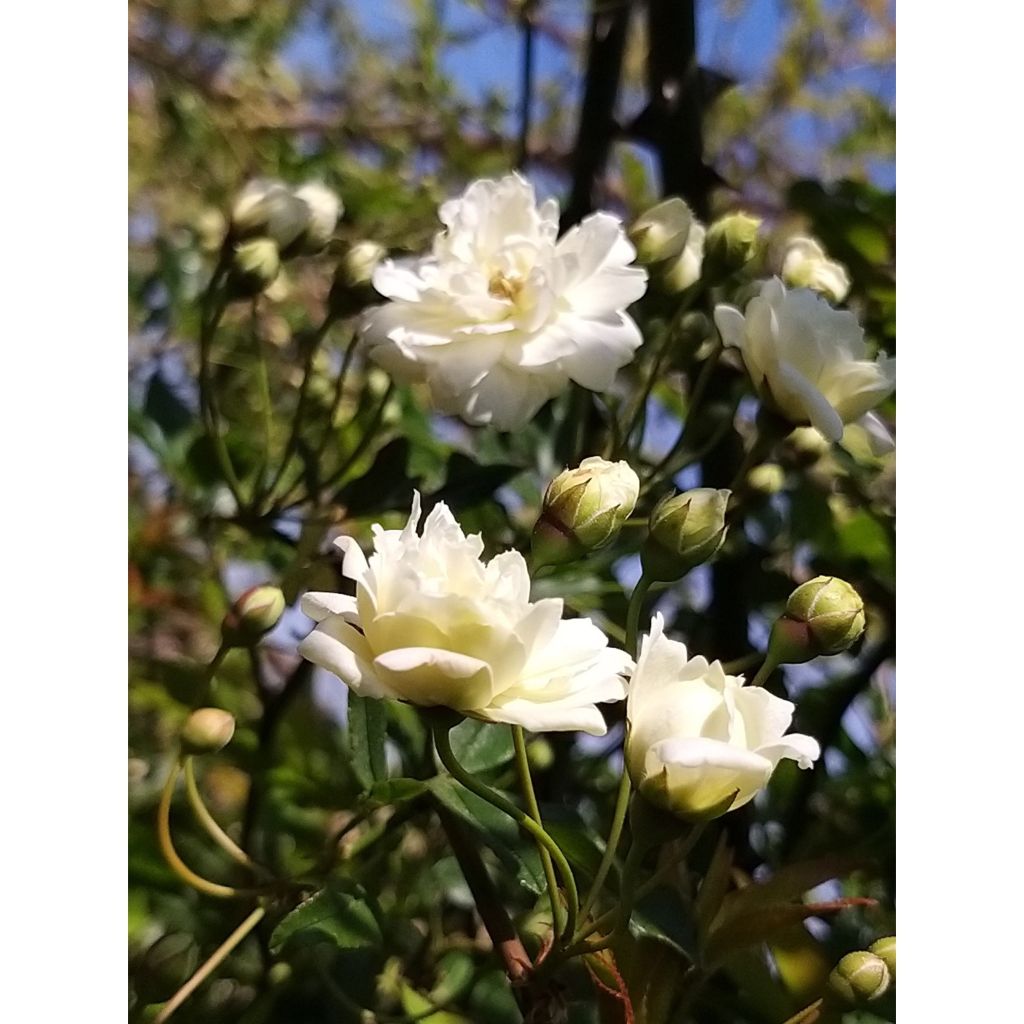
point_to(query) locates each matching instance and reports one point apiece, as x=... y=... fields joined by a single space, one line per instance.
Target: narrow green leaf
x=367 y=721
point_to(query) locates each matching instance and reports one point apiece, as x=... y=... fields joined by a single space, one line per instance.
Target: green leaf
x=467 y=482
x=663 y=916
x=165 y=408
x=367 y=721
x=384 y=487
x=338 y=913
x=481 y=746
x=393 y=791
x=566 y=827
x=516 y=853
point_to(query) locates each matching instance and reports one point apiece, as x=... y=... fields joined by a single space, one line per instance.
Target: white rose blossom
x=434 y=625
x=809 y=360
x=699 y=738
x=806 y=265
x=502 y=314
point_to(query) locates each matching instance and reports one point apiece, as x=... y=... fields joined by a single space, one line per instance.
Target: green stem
x=263 y=382
x=177 y=865
x=523 y=820
x=300 y=409
x=206 y=819
x=636 y=603
x=639 y=410
x=766 y=669
x=218 y=957
x=533 y=808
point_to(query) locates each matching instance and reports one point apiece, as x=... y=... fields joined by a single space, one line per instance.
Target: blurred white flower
x=700 y=742
x=806 y=265
x=807 y=359
x=660 y=233
x=301 y=219
x=502 y=314
x=433 y=624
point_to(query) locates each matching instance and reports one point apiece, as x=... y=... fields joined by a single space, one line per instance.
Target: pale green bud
x=358 y=264
x=768 y=478
x=678 y=274
x=731 y=242
x=808 y=444
x=584 y=509
x=210 y=227
x=685 y=531
x=860 y=978
x=323 y=210
x=885 y=950
x=165 y=967
x=267 y=207
x=254 y=266
x=823 y=616
x=660 y=233
x=207 y=730
x=256 y=612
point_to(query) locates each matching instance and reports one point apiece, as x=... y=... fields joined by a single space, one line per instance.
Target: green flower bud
x=823 y=616
x=678 y=274
x=207 y=730
x=266 y=207
x=584 y=509
x=540 y=754
x=731 y=242
x=254 y=266
x=808 y=445
x=885 y=950
x=210 y=226
x=768 y=478
x=685 y=531
x=860 y=978
x=256 y=612
x=165 y=967
x=660 y=233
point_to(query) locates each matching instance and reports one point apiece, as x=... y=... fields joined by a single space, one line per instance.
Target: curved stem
x=523 y=820
x=218 y=957
x=263 y=380
x=614 y=835
x=526 y=782
x=177 y=865
x=206 y=819
x=636 y=603
x=766 y=669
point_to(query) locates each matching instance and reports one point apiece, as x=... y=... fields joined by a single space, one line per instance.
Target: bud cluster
x=865 y=975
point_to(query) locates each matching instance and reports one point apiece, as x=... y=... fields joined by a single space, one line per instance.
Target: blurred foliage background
x=396 y=105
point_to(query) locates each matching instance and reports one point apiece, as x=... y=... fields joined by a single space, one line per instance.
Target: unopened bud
x=731 y=242
x=860 y=978
x=254 y=266
x=680 y=273
x=768 y=478
x=660 y=233
x=210 y=226
x=584 y=508
x=685 y=531
x=823 y=616
x=808 y=445
x=267 y=207
x=806 y=265
x=323 y=210
x=207 y=730
x=165 y=967
x=256 y=612
x=885 y=950
x=353 y=279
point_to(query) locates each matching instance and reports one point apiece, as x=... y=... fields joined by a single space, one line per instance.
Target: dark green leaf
x=367 y=719
x=480 y=746
x=517 y=853
x=662 y=916
x=338 y=914
x=165 y=408
x=385 y=486
x=393 y=791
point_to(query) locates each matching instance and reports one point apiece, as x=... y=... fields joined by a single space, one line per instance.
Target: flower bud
x=165 y=967
x=207 y=730
x=256 y=612
x=323 y=210
x=660 y=233
x=584 y=508
x=808 y=445
x=254 y=266
x=731 y=242
x=885 y=950
x=768 y=478
x=685 y=531
x=678 y=274
x=860 y=978
x=210 y=226
x=353 y=288
x=266 y=207
x=823 y=616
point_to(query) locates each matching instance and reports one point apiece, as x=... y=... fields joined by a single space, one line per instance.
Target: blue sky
x=743 y=47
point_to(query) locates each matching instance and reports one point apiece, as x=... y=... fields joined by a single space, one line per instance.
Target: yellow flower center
x=505 y=286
